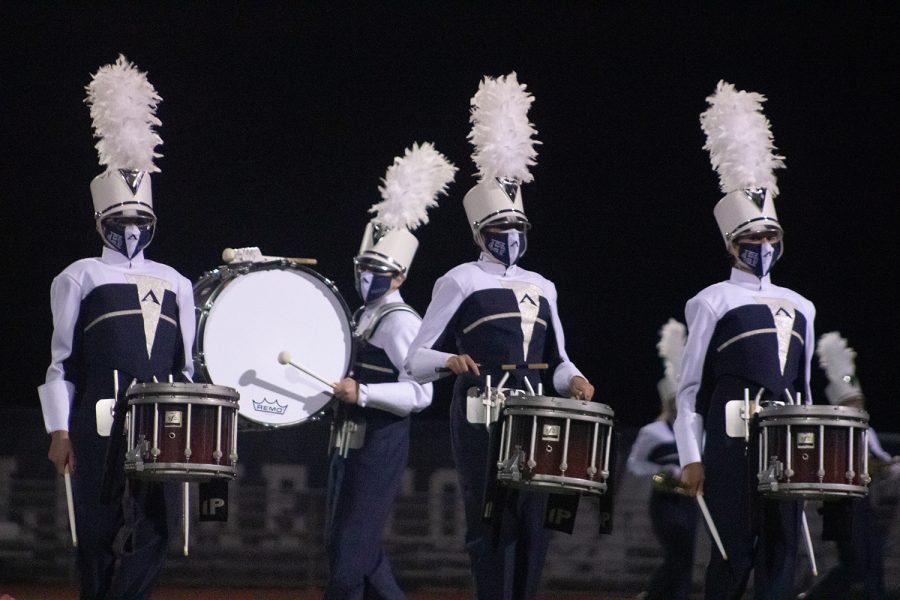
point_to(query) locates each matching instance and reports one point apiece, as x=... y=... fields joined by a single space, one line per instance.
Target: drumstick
x=284 y=357
x=711 y=525
x=808 y=539
x=230 y=254
x=70 y=505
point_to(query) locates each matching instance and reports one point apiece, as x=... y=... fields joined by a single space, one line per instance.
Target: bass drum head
x=250 y=317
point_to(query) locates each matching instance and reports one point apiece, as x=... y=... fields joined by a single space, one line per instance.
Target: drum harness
x=346 y=432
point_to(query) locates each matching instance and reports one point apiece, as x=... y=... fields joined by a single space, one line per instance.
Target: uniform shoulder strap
x=381 y=312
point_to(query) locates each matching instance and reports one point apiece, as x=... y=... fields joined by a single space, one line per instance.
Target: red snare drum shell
x=820 y=452
x=203 y=415
x=549 y=419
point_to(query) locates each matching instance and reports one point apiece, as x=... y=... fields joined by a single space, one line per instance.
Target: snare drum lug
x=217 y=455
x=821 y=475
x=155 y=452
x=850 y=475
x=187 y=454
x=591 y=471
x=865 y=479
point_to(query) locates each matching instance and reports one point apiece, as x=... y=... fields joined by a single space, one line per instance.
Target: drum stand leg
x=186 y=490
x=808 y=539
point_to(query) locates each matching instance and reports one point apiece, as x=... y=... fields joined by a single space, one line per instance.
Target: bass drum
x=247 y=314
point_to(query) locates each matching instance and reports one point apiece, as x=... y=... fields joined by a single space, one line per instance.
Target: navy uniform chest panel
x=111 y=327
x=488 y=326
x=744 y=352
x=745 y=344
x=373 y=365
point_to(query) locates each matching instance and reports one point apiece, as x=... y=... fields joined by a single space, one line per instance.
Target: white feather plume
x=123 y=108
x=501 y=132
x=411 y=186
x=739 y=140
x=672 y=337
x=835 y=357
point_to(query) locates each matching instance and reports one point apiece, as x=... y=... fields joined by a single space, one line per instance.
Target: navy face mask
x=759 y=257
x=127 y=239
x=372 y=286
x=506 y=246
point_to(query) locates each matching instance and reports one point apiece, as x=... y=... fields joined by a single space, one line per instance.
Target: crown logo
x=273 y=407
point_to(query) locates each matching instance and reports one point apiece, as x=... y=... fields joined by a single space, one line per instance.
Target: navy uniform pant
x=674 y=519
x=759 y=535
x=507 y=556
x=121 y=543
x=361 y=493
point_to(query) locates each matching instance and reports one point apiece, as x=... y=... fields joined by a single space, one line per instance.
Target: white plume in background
x=411 y=186
x=501 y=132
x=740 y=141
x=835 y=357
x=123 y=108
x=672 y=337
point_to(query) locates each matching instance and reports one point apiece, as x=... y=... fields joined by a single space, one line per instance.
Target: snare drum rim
x=813 y=410
x=519 y=411
x=176 y=399
x=813 y=421
x=586 y=407
x=225 y=274
x=560 y=483
x=811 y=490
x=177 y=388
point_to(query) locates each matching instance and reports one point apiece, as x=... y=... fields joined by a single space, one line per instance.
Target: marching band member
x=364 y=476
x=119 y=317
x=672 y=513
x=744 y=333
x=487 y=313
x=860 y=553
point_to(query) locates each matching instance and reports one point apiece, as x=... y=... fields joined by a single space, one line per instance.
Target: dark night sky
x=279 y=121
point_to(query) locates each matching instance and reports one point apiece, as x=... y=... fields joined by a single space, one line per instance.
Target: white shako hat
x=409 y=188
x=741 y=150
x=123 y=109
x=839 y=363
x=672 y=337
x=504 y=151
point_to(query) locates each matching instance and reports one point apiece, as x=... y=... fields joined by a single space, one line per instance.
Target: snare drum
x=248 y=314
x=181 y=431
x=812 y=452
x=555 y=444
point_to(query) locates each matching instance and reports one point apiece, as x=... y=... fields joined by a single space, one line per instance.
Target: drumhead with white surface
x=248 y=315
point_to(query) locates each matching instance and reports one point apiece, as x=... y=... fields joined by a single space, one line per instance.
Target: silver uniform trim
x=734 y=231
x=125 y=313
x=375 y=368
x=741 y=336
x=487 y=218
x=141 y=205
x=506 y=315
x=392 y=263
x=115 y=313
